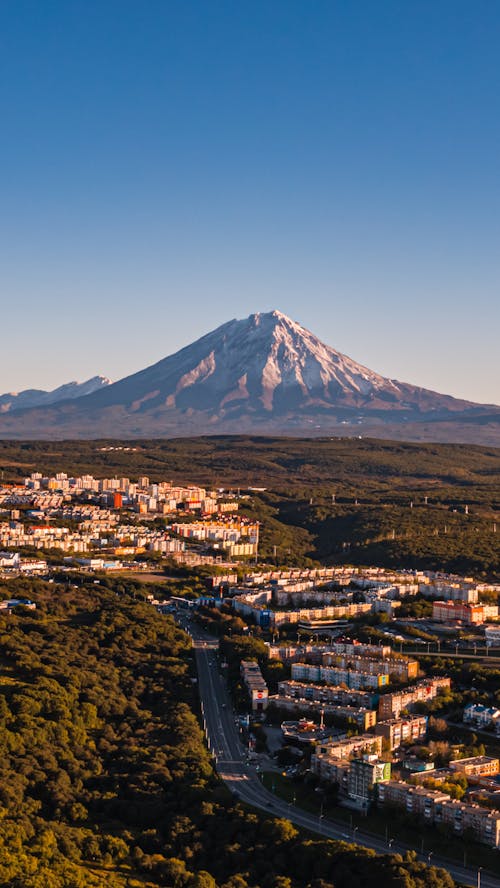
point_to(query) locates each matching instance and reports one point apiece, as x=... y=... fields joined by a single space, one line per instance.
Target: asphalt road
x=230 y=759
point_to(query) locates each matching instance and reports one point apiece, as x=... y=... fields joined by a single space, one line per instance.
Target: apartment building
x=255 y=685
x=364 y=775
x=472 y=614
x=362 y=745
x=328 y=694
x=363 y=718
x=391 y=705
x=332 y=770
x=313 y=653
x=476 y=766
x=415 y=800
x=437 y=807
x=333 y=675
x=402 y=730
x=460 y=817
x=401 y=668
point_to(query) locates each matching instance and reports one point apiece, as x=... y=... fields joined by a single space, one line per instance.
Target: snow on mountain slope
x=265 y=364
x=264 y=374
x=12 y=401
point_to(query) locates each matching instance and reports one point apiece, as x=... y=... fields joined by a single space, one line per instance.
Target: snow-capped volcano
x=267 y=365
x=264 y=374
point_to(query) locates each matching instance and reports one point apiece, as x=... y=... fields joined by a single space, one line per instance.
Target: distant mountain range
x=265 y=375
x=38 y=398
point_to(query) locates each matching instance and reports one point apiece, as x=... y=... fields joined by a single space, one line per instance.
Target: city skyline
x=170 y=168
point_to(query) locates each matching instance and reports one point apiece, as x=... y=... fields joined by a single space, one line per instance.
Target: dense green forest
x=333 y=500
x=104 y=776
x=347 y=464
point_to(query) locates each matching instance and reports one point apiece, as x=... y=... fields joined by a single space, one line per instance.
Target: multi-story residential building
x=363 y=718
x=332 y=770
x=255 y=685
x=402 y=730
x=390 y=705
x=328 y=694
x=401 y=668
x=333 y=675
x=363 y=744
x=319 y=615
x=437 y=807
x=451 y=611
x=358 y=649
x=364 y=775
x=415 y=799
x=482 y=822
x=476 y=766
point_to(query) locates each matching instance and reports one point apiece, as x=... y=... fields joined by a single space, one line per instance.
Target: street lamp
x=354 y=832
x=389 y=843
x=429 y=856
x=320 y=820
x=479 y=877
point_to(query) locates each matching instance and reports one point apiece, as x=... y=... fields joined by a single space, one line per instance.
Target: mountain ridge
x=265 y=373
x=13 y=401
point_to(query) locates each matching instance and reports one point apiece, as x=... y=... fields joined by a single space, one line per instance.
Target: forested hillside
x=331 y=500
x=104 y=777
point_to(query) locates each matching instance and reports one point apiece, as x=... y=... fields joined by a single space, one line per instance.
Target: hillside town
x=354 y=660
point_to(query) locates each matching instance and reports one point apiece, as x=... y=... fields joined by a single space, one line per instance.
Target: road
x=243 y=780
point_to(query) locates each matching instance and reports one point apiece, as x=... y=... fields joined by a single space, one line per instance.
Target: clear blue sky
x=166 y=166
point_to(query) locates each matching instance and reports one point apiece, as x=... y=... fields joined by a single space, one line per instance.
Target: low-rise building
x=481 y=716
x=492 y=634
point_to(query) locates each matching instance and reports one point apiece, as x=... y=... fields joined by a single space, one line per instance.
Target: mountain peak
x=264 y=373
x=264 y=365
